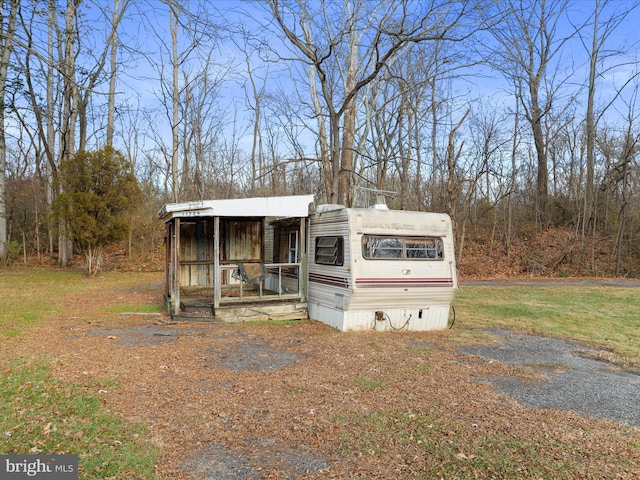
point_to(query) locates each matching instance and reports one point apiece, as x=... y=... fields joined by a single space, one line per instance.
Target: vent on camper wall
x=378 y=202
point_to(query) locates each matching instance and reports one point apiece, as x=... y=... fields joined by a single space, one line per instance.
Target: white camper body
x=375 y=268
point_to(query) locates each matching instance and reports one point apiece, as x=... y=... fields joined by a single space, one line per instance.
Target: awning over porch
x=285 y=206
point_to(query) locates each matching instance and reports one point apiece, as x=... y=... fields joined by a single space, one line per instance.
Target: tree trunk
x=346 y=156
x=542 y=179
x=323 y=142
x=6 y=40
x=513 y=180
x=453 y=156
x=50 y=138
x=435 y=188
x=334 y=122
x=70 y=101
x=173 y=27
x=403 y=151
x=115 y=18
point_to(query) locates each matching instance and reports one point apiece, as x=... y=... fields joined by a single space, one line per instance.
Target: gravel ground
x=570 y=378
x=568 y=375
x=218 y=462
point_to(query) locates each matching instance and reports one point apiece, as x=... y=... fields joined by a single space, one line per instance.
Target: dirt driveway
x=255 y=401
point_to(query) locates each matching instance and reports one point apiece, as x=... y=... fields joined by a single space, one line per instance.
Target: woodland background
x=518 y=118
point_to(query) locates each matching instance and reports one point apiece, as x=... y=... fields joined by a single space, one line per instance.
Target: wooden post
x=303 y=268
x=167 y=262
x=217 y=280
x=176 y=266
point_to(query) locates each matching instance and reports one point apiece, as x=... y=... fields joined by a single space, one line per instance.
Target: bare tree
x=453 y=155
x=62 y=60
x=188 y=82
x=527 y=44
x=618 y=175
x=85 y=90
x=602 y=30
x=254 y=97
x=383 y=114
x=347 y=47
x=55 y=122
x=202 y=122
x=119 y=7
x=174 y=12
x=516 y=137
x=489 y=173
x=7 y=32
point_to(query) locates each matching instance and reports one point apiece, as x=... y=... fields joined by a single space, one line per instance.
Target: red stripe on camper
x=329 y=280
x=403 y=282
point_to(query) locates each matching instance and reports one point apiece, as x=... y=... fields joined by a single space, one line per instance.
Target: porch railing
x=281 y=281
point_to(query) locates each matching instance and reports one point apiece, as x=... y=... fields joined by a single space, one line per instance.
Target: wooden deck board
x=249 y=308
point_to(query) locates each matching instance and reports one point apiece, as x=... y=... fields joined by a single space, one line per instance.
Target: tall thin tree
x=527 y=43
x=7 y=32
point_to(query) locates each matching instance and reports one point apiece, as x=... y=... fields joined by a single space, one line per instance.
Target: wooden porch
x=247 y=301
x=237 y=260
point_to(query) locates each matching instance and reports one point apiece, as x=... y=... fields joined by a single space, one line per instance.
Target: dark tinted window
x=329 y=250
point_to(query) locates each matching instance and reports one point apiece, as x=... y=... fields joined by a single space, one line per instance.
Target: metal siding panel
x=433 y=317
x=393 y=298
x=326 y=315
x=325 y=280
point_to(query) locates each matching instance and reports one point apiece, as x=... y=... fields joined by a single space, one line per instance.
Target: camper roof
x=384 y=221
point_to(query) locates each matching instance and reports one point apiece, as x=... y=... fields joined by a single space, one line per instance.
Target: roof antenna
x=378 y=202
x=369 y=197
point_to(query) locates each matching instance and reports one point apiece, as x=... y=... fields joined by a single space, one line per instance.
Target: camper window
x=329 y=251
x=409 y=248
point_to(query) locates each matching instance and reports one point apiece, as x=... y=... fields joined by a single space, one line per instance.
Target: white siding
x=409 y=294
x=327 y=283
x=414 y=319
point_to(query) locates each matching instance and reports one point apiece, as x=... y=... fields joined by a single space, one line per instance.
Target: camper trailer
x=380 y=269
x=286 y=258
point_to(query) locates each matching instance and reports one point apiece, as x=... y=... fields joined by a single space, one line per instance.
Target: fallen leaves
x=374 y=405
